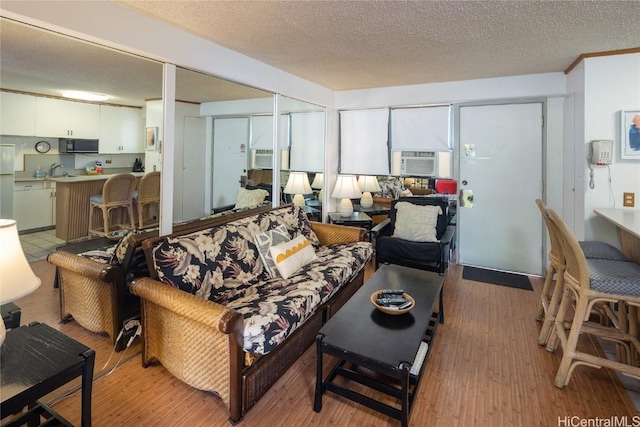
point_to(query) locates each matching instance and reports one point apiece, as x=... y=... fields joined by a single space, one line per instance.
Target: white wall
x=611 y=84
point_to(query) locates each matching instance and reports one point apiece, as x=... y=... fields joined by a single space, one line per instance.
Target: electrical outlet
x=107 y=162
x=629 y=199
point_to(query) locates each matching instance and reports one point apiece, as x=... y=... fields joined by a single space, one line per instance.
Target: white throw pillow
x=292 y=255
x=416 y=223
x=264 y=241
x=247 y=198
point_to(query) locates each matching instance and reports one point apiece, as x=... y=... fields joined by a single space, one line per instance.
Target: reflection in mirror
x=306 y=130
x=217 y=122
x=37 y=65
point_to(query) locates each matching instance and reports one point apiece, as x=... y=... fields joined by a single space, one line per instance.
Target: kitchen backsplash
x=28 y=159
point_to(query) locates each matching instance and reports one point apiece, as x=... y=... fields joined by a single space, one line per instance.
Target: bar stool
x=117 y=193
x=148 y=192
x=550 y=298
x=587 y=283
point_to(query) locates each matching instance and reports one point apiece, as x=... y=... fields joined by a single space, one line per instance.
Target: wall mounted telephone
x=601 y=152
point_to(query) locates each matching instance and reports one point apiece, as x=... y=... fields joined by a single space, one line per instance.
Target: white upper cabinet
x=17 y=114
x=121 y=130
x=67 y=119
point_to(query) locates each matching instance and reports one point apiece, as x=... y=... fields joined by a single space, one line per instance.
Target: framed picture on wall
x=630 y=134
x=152 y=139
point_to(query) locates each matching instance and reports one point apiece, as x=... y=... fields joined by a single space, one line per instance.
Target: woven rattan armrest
x=208 y=313
x=86 y=267
x=91 y=292
x=333 y=234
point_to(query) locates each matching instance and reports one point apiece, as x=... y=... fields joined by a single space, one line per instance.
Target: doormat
x=501 y=278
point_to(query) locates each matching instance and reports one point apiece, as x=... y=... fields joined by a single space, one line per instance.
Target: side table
x=36 y=360
x=357 y=219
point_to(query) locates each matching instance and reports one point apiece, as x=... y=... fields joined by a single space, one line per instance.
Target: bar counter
x=72 y=203
x=627 y=222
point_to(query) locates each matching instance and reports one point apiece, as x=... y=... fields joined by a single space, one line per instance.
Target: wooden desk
x=627 y=222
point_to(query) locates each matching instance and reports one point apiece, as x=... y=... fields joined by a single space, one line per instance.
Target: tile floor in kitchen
x=37 y=245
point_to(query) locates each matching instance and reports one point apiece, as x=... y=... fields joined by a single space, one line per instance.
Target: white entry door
x=501 y=164
x=193 y=169
x=230 y=142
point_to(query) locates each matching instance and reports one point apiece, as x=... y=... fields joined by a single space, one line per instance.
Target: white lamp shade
x=298 y=184
x=368 y=183
x=318 y=181
x=346 y=188
x=16 y=277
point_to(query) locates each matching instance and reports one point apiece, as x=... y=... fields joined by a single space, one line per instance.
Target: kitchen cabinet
x=34 y=204
x=67 y=119
x=121 y=130
x=18 y=114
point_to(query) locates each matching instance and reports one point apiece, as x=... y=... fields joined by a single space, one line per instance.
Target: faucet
x=54 y=167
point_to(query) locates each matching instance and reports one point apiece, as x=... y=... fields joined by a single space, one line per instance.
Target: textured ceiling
x=339 y=44
x=362 y=44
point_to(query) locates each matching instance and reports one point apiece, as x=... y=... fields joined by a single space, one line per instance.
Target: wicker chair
x=147 y=194
x=550 y=299
x=117 y=192
x=596 y=282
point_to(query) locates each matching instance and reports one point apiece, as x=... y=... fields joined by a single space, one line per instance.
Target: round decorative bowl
x=387 y=310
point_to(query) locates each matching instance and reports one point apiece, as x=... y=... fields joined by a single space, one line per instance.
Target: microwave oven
x=68 y=145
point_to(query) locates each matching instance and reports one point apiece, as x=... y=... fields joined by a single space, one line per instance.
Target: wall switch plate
x=629 y=199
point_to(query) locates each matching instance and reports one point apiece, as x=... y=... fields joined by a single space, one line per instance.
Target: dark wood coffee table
x=392 y=349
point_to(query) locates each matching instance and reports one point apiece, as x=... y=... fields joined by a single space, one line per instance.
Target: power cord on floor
x=128 y=326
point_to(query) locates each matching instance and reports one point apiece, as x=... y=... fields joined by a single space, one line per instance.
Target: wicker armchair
x=597 y=282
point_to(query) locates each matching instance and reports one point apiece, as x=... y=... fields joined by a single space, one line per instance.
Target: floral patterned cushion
x=391 y=188
x=103 y=256
x=226 y=256
x=273 y=309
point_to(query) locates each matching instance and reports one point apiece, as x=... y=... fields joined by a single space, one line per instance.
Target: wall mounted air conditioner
x=262 y=159
x=419 y=163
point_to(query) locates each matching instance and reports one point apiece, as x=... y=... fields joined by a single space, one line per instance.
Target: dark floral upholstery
x=222 y=264
x=104 y=255
x=390 y=188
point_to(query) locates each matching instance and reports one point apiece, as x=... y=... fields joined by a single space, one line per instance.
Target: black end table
x=392 y=347
x=35 y=361
x=357 y=219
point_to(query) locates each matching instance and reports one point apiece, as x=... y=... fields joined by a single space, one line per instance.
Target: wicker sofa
x=214 y=317
x=94 y=284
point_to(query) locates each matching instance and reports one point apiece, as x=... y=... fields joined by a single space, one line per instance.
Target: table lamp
x=298 y=184
x=318 y=183
x=367 y=185
x=346 y=189
x=16 y=277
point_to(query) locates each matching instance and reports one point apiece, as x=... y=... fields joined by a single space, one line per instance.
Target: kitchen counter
x=86 y=178
x=72 y=203
x=627 y=222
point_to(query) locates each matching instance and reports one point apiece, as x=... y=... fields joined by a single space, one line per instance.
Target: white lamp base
x=345 y=208
x=367 y=200
x=298 y=200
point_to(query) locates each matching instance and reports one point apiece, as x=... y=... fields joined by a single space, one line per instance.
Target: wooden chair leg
x=105 y=220
x=544 y=297
x=131 y=217
x=552 y=308
x=569 y=347
x=552 y=342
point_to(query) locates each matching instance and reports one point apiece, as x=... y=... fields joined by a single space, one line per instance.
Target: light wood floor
x=485 y=368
